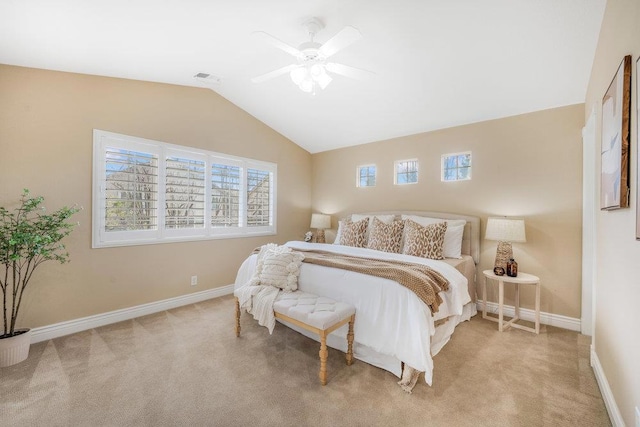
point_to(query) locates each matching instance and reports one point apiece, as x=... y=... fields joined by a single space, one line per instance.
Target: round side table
x=521 y=279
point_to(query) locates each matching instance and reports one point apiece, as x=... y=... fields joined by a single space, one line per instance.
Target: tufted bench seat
x=314 y=313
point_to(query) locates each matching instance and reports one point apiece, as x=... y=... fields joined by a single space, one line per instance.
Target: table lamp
x=505 y=231
x=320 y=222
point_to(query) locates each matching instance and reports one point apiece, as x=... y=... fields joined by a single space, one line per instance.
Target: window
x=131 y=183
x=151 y=192
x=258 y=198
x=406 y=172
x=184 y=193
x=456 y=167
x=225 y=195
x=366 y=176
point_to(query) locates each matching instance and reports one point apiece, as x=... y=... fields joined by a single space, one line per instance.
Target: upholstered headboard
x=470 y=238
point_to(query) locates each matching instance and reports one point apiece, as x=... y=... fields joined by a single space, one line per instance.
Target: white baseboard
x=56 y=330
x=607 y=395
x=550 y=319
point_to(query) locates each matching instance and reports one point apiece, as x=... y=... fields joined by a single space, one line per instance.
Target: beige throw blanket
x=422 y=280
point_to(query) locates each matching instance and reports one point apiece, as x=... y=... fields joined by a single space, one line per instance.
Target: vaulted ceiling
x=437 y=63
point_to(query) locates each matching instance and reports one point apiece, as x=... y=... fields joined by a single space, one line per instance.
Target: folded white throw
x=277 y=269
x=258 y=300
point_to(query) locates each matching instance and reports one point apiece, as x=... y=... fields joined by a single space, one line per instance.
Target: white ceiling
x=438 y=63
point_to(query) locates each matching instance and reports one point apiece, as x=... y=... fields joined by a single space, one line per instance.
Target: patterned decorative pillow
x=387 y=219
x=385 y=237
x=278 y=266
x=425 y=242
x=452 y=246
x=354 y=233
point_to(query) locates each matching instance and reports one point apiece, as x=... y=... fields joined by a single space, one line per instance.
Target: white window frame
x=101 y=238
x=375 y=176
x=395 y=171
x=443 y=160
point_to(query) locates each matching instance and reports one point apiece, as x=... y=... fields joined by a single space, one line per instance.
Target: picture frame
x=614 y=149
x=637 y=150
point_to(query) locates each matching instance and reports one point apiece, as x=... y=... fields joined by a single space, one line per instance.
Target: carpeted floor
x=186 y=367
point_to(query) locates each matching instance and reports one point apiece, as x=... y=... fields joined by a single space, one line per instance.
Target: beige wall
x=46 y=123
x=527 y=166
x=617 y=283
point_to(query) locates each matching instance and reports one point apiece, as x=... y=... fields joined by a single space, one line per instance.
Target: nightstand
x=521 y=279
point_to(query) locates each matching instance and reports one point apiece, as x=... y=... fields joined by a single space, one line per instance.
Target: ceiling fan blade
x=274 y=73
x=344 y=38
x=278 y=43
x=351 y=72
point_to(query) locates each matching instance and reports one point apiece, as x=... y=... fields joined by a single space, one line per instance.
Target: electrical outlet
x=194 y=280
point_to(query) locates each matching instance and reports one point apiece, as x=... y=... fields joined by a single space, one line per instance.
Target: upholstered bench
x=317 y=314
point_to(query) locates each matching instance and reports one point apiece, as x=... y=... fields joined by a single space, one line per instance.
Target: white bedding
x=392 y=323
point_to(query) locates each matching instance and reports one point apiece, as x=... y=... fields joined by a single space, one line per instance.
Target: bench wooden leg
x=323 y=358
x=350 y=341
x=237 y=317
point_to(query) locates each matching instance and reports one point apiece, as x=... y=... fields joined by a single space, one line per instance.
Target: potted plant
x=28 y=237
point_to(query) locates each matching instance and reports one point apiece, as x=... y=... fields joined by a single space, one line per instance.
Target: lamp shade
x=505 y=230
x=320 y=221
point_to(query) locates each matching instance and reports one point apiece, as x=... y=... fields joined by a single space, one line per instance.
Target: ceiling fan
x=312 y=68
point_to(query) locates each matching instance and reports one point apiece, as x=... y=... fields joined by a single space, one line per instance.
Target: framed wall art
x=616 y=126
x=637 y=150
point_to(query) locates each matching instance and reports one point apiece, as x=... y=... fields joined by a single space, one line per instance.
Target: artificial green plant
x=28 y=237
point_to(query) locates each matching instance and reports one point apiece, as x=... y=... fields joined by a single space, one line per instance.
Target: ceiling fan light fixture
x=323 y=79
x=317 y=70
x=306 y=85
x=299 y=74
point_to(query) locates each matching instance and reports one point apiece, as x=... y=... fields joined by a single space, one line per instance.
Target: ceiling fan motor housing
x=310 y=51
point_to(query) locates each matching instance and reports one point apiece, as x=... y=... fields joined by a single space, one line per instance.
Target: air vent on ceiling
x=208 y=78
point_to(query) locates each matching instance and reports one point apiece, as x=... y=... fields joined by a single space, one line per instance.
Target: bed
x=393 y=326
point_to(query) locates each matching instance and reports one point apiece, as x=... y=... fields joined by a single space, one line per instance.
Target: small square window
x=366 y=176
x=406 y=172
x=456 y=167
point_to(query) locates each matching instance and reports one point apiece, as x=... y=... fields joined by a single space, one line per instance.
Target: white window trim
x=443 y=159
x=395 y=172
x=359 y=168
x=102 y=239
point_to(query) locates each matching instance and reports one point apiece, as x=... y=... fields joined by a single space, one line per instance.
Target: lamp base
x=320 y=236
x=503 y=254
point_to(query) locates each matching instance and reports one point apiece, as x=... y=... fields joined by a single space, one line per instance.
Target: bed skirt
x=441 y=337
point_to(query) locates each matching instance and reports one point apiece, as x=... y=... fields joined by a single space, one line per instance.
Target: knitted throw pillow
x=278 y=266
x=425 y=242
x=385 y=237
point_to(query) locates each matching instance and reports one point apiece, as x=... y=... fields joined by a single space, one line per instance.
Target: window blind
x=225 y=195
x=130 y=190
x=258 y=197
x=184 y=193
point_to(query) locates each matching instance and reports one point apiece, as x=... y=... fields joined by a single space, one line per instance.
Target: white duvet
x=392 y=323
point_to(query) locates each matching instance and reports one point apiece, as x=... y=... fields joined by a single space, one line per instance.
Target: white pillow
x=278 y=266
x=452 y=247
x=338 y=233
